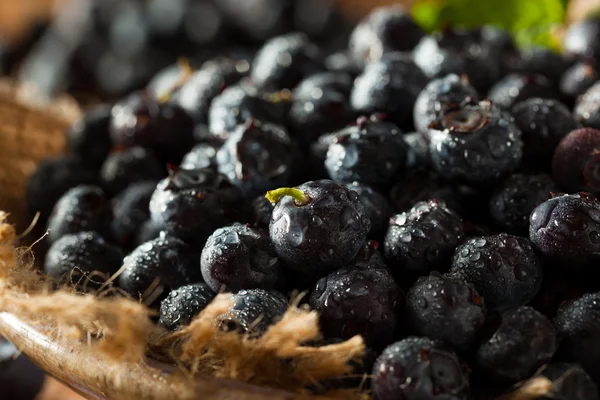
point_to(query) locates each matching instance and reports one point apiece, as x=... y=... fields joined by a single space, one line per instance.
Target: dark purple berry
x=183 y=304
x=524 y=341
x=422 y=239
x=417 y=151
x=258 y=212
x=383 y=30
x=241 y=103
x=445 y=308
x=131 y=211
x=587 y=108
x=582 y=38
x=543 y=123
x=513 y=201
x=52 y=179
x=83 y=258
x=475 y=143
x=208 y=82
x=421 y=185
x=542 y=61
x=317 y=226
x=371 y=152
x=438 y=94
x=192 y=204
x=320 y=105
x=419 y=368
x=577 y=79
x=162 y=264
x=238 y=257
x=148 y=231
x=253 y=311
x=257 y=157
x=358 y=300
x=577 y=326
x=89 y=138
x=203 y=155
x=377 y=207
x=460 y=51
x=515 y=88
x=284 y=61
x=132 y=165
x=566 y=229
x=83 y=208
x=503 y=268
x=166 y=129
x=389 y=85
x=576 y=162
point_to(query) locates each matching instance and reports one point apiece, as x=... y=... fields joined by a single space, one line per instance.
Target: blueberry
x=130 y=166
x=320 y=105
x=575 y=163
x=417 y=151
x=419 y=368
x=208 y=82
x=577 y=79
x=515 y=88
x=131 y=211
x=475 y=143
x=371 y=152
x=445 y=308
x=542 y=61
x=420 y=185
x=258 y=157
x=524 y=341
x=83 y=208
x=238 y=257
x=377 y=208
x=577 y=326
x=438 y=94
x=82 y=258
x=284 y=61
x=543 y=123
x=192 y=204
x=460 y=51
x=258 y=212
x=566 y=229
x=240 y=103
x=253 y=311
x=503 y=268
x=51 y=180
x=166 y=262
x=581 y=38
x=89 y=138
x=165 y=128
x=183 y=304
x=587 y=111
x=513 y=201
x=383 y=30
x=203 y=155
x=149 y=230
x=395 y=95
x=358 y=300
x=317 y=226
x=570 y=381
x=422 y=239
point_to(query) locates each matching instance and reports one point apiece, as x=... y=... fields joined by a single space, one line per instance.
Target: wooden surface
x=98 y=378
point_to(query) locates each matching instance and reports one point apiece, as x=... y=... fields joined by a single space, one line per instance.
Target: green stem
x=300 y=198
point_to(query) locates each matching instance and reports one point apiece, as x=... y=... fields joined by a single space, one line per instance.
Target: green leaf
x=531 y=22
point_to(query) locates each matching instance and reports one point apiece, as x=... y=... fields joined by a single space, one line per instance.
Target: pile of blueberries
x=432 y=193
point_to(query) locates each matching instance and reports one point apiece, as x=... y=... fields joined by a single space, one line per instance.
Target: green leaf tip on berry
x=300 y=198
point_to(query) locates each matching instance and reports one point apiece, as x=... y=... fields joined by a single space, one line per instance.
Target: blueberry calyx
x=300 y=198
